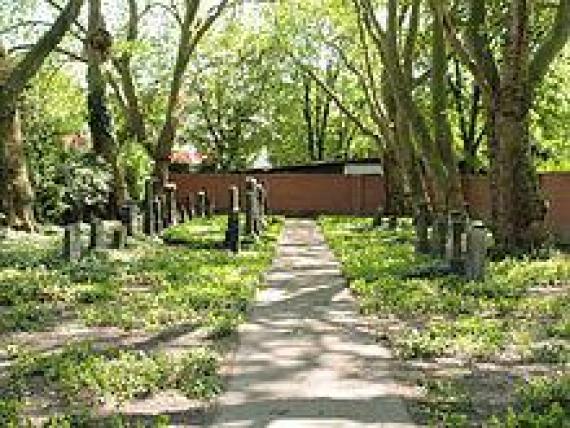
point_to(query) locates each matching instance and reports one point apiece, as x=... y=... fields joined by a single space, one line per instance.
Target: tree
x=98 y=46
x=508 y=91
x=17 y=193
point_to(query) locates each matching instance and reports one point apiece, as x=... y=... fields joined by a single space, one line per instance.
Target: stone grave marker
x=439 y=235
x=96 y=235
x=129 y=217
x=378 y=217
x=201 y=204
x=476 y=257
x=210 y=206
x=233 y=230
x=170 y=205
x=261 y=224
x=191 y=210
x=119 y=241
x=250 y=207
x=149 y=209
x=72 y=242
x=157 y=214
x=182 y=215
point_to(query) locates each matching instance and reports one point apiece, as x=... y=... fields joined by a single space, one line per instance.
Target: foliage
x=66 y=177
x=152 y=287
x=135 y=160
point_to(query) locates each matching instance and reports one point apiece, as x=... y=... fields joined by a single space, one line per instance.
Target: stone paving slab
x=305 y=359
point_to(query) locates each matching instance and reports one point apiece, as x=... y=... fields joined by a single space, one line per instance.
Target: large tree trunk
x=520 y=208
x=15 y=187
x=442 y=128
x=100 y=123
x=18 y=195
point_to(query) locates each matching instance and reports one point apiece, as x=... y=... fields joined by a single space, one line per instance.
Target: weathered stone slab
x=233 y=230
x=476 y=257
x=170 y=205
x=96 y=235
x=72 y=242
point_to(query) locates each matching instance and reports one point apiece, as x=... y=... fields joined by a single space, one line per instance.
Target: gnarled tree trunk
x=18 y=194
x=100 y=123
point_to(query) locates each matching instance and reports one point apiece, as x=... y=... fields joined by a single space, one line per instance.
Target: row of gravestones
x=159 y=212
x=255 y=204
x=455 y=238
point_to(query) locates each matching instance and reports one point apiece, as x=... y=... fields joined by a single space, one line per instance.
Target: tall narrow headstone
x=190 y=206
x=182 y=215
x=72 y=242
x=476 y=257
x=201 y=204
x=233 y=231
x=157 y=213
x=439 y=235
x=129 y=217
x=210 y=206
x=119 y=237
x=149 y=212
x=250 y=206
x=421 y=227
x=97 y=234
x=260 y=208
x=378 y=217
x=170 y=206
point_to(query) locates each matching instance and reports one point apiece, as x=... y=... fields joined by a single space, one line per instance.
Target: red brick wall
x=344 y=194
x=295 y=193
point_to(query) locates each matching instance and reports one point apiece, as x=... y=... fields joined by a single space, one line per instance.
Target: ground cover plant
x=81 y=341
x=495 y=352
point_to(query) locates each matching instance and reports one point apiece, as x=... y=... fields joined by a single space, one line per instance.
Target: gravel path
x=305 y=359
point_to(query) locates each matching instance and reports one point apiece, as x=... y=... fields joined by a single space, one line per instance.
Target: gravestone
x=170 y=205
x=119 y=241
x=129 y=217
x=250 y=207
x=182 y=215
x=261 y=224
x=157 y=214
x=210 y=206
x=476 y=257
x=96 y=235
x=72 y=242
x=149 y=211
x=455 y=246
x=233 y=230
x=439 y=235
x=201 y=204
x=378 y=217
x=191 y=210
x=421 y=227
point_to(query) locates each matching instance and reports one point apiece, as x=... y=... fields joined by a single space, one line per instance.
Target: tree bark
x=100 y=122
x=519 y=205
x=17 y=193
x=442 y=127
x=19 y=196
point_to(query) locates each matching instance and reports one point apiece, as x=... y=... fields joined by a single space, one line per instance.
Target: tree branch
x=557 y=37
x=28 y=67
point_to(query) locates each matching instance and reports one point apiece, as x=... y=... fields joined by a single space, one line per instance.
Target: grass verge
x=491 y=352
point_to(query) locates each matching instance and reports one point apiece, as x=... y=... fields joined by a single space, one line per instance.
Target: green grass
x=150 y=288
x=520 y=314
